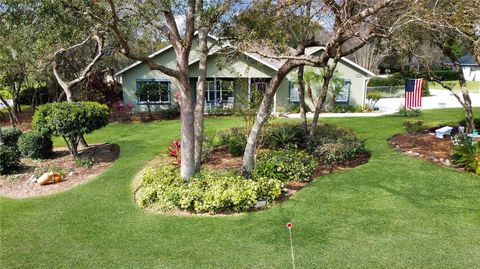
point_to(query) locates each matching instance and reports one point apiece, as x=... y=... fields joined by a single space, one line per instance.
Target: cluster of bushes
x=285 y=165
x=235 y=139
x=334 y=146
x=129 y=116
x=14 y=145
x=466 y=153
x=347 y=109
x=164 y=189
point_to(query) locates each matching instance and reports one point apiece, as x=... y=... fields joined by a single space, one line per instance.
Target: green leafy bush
x=284 y=136
x=9 y=136
x=466 y=153
x=373 y=98
x=340 y=151
x=414 y=127
x=285 y=165
x=34 y=145
x=70 y=120
x=234 y=138
x=163 y=188
x=85 y=162
x=333 y=145
x=408 y=112
x=9 y=159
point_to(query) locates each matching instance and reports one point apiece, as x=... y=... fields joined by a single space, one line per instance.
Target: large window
x=344 y=95
x=153 y=92
x=220 y=93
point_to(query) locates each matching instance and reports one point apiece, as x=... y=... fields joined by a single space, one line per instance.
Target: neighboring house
x=471 y=69
x=230 y=76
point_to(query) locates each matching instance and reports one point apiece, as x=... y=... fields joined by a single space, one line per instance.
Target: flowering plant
x=174 y=151
x=123 y=107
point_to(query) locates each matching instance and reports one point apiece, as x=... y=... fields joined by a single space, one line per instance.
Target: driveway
x=438 y=99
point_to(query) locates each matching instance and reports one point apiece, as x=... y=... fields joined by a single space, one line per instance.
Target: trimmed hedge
x=34 y=145
x=9 y=159
x=9 y=136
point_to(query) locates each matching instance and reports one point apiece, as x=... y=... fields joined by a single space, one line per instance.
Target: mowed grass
x=473 y=86
x=395 y=211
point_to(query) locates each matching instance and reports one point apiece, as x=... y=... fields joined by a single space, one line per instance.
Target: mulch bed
x=20 y=185
x=427 y=147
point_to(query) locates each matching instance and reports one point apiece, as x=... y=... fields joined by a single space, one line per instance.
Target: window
x=344 y=95
x=220 y=93
x=153 y=92
x=293 y=94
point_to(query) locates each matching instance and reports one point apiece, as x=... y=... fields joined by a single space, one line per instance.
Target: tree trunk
x=11 y=115
x=200 y=97
x=301 y=99
x=322 y=97
x=320 y=102
x=262 y=116
x=187 y=116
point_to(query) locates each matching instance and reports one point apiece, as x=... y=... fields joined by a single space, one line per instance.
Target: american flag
x=413 y=93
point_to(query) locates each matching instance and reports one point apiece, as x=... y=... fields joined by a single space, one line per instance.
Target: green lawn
x=473 y=86
x=394 y=212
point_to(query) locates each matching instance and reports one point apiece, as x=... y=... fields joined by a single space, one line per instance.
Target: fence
x=388 y=91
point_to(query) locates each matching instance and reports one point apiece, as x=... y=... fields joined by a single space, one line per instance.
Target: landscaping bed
x=428 y=147
x=22 y=184
x=286 y=162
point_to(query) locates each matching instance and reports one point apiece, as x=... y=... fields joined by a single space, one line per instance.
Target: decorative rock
x=442 y=160
x=447 y=163
x=32 y=179
x=45 y=178
x=71 y=173
x=260 y=204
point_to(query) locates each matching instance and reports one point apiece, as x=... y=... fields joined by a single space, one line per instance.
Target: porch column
x=275 y=103
x=215 y=91
x=249 y=91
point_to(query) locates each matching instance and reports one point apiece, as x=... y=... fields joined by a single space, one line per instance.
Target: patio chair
x=208 y=107
x=230 y=102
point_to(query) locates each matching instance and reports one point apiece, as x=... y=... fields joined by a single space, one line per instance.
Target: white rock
x=32 y=180
x=447 y=163
x=260 y=204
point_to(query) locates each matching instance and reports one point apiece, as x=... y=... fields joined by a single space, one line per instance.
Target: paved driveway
x=438 y=99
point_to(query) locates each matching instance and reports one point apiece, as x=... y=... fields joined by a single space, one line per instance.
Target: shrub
x=70 y=120
x=294 y=108
x=283 y=136
x=333 y=145
x=340 y=151
x=9 y=136
x=285 y=165
x=235 y=140
x=373 y=98
x=408 y=112
x=466 y=153
x=9 y=159
x=34 y=145
x=85 y=162
x=163 y=188
x=476 y=121
x=414 y=127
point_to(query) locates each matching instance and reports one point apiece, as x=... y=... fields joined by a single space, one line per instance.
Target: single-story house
x=471 y=69
x=231 y=80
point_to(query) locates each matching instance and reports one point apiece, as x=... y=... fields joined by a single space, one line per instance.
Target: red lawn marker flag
x=413 y=93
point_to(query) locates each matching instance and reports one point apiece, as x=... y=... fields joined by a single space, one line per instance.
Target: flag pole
x=289 y=226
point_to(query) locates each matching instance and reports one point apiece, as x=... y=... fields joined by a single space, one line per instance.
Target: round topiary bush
x=9 y=159
x=70 y=120
x=285 y=165
x=34 y=145
x=9 y=136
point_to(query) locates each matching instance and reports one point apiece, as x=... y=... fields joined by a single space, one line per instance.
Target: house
x=471 y=69
x=240 y=76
